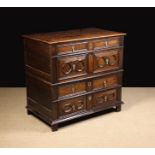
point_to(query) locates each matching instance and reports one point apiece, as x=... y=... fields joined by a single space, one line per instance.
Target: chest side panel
x=37 y=55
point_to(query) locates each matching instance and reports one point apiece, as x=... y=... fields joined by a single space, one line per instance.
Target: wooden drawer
x=105 y=82
x=107 y=43
x=71 y=47
x=70 y=89
x=105 y=98
x=72 y=66
x=72 y=106
x=93 y=84
x=107 y=60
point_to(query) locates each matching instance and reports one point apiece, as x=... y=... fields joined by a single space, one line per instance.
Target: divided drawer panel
x=107 y=60
x=84 y=64
x=105 y=98
x=105 y=82
x=107 y=43
x=71 y=48
x=72 y=66
x=70 y=89
x=84 y=86
x=72 y=106
x=96 y=44
x=77 y=65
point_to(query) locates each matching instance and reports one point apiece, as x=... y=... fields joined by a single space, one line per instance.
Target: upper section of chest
x=73 y=41
x=73 y=53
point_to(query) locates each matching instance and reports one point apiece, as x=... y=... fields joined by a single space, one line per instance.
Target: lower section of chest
x=60 y=103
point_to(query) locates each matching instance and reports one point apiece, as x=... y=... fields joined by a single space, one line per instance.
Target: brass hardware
x=73 y=49
x=105 y=83
x=107 y=61
x=105 y=98
x=74 y=66
x=106 y=43
x=73 y=89
x=89 y=98
x=89 y=84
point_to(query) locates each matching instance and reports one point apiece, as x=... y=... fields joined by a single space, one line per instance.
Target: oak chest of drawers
x=71 y=74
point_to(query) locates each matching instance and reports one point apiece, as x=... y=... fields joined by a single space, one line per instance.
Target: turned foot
x=29 y=112
x=118 y=108
x=54 y=127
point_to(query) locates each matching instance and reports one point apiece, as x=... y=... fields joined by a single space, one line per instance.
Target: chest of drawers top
x=73 y=35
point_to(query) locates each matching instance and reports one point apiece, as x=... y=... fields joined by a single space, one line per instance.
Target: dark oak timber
x=72 y=74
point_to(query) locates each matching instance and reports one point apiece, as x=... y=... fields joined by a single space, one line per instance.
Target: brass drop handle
x=89 y=84
x=107 y=61
x=73 y=49
x=105 y=98
x=74 y=66
x=105 y=83
x=106 y=43
x=73 y=89
x=89 y=98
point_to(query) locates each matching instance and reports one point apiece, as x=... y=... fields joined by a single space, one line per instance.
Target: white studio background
x=77 y=3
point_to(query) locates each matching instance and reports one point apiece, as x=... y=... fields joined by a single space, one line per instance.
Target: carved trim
x=86 y=93
x=37 y=72
x=84 y=113
x=89 y=77
x=86 y=52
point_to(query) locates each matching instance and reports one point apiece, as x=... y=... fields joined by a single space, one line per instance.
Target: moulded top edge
x=72 y=35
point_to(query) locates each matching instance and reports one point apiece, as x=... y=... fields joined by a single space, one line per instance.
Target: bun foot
x=118 y=108
x=29 y=112
x=54 y=127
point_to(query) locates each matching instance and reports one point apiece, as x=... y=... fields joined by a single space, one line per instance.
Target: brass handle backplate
x=105 y=83
x=73 y=49
x=107 y=61
x=106 y=43
x=89 y=98
x=105 y=98
x=74 y=66
x=89 y=84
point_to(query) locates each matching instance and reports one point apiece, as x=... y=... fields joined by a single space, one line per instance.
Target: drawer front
x=105 y=98
x=107 y=43
x=106 y=60
x=105 y=82
x=72 y=106
x=71 y=48
x=70 y=89
x=72 y=66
